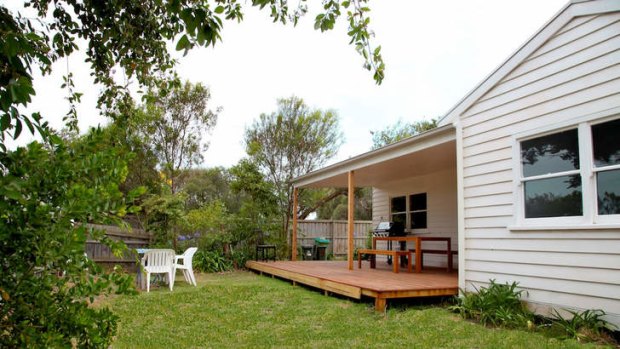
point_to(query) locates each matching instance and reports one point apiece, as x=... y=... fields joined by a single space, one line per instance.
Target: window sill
x=572 y=227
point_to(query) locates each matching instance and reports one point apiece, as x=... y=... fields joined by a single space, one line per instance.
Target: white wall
x=441 y=204
x=575 y=73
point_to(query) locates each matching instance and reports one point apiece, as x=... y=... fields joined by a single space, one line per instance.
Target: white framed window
x=398 y=210
x=570 y=175
x=410 y=210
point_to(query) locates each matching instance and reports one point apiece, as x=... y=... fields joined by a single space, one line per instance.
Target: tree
x=173 y=123
x=163 y=214
x=140 y=159
x=202 y=186
x=399 y=131
x=259 y=204
x=289 y=143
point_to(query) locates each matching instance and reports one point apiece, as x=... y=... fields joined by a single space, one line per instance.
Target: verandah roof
x=425 y=153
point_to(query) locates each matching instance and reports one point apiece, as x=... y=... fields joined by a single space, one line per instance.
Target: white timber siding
x=575 y=73
x=441 y=208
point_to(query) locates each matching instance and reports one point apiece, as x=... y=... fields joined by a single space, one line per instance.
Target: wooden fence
x=101 y=253
x=335 y=232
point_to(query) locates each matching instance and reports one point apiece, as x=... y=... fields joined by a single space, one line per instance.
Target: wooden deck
x=381 y=283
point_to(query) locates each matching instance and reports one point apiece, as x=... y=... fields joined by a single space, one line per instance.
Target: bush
x=240 y=256
x=47 y=283
x=497 y=305
x=588 y=325
x=211 y=262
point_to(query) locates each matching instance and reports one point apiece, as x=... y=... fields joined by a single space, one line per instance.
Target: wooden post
x=351 y=218
x=294 y=238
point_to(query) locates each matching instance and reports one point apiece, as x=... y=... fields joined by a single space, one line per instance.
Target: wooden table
x=415 y=239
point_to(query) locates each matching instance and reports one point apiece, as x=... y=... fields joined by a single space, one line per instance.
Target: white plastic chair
x=158 y=261
x=186 y=257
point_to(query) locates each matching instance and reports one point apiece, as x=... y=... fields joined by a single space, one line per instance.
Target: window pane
x=608 y=188
x=606 y=143
x=418 y=220
x=550 y=154
x=400 y=218
x=417 y=202
x=553 y=197
x=399 y=204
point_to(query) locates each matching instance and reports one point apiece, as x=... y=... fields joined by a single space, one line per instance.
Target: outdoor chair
x=262 y=249
x=186 y=258
x=158 y=261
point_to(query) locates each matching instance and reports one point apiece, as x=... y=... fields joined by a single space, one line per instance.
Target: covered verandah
x=423 y=155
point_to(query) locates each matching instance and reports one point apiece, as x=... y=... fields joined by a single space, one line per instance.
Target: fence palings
x=335 y=232
x=101 y=253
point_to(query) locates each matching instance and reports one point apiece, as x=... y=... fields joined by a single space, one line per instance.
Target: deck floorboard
x=380 y=283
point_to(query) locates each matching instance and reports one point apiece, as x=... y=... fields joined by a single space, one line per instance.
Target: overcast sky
x=435 y=53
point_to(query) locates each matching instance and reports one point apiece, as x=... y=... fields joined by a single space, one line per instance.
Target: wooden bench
x=394 y=254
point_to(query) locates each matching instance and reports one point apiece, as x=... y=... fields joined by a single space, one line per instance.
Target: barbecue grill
x=389 y=229
x=384 y=229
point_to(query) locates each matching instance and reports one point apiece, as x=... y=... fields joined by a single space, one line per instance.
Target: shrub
x=498 y=305
x=47 y=282
x=588 y=325
x=211 y=262
x=240 y=256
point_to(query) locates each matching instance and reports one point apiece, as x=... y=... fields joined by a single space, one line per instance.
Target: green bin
x=321 y=241
x=320 y=248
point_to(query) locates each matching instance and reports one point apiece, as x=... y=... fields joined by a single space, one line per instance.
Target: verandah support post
x=294 y=238
x=350 y=218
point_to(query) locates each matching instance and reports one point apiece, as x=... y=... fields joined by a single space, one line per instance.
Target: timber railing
x=335 y=231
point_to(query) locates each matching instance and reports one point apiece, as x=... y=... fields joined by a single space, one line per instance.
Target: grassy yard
x=242 y=309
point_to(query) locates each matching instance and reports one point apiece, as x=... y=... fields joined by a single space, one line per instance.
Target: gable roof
x=573 y=9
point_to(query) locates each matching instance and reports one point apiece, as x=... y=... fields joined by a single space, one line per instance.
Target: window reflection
x=608 y=189
x=400 y=219
x=553 y=197
x=606 y=143
x=418 y=220
x=417 y=202
x=399 y=204
x=554 y=153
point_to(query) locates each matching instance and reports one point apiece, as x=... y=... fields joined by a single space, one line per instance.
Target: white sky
x=435 y=53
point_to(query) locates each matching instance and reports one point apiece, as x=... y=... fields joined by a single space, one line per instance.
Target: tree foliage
x=337 y=209
x=205 y=185
x=45 y=189
x=399 y=131
x=46 y=194
x=173 y=123
x=123 y=138
x=289 y=143
x=132 y=35
x=259 y=202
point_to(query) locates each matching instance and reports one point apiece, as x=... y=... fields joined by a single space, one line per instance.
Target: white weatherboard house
x=523 y=173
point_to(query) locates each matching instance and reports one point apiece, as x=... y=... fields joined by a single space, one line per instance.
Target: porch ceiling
x=427 y=153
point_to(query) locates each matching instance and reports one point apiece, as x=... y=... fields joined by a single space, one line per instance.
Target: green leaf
x=5 y=122
x=18 y=128
x=183 y=44
x=219 y=10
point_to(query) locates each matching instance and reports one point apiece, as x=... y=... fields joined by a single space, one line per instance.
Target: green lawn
x=241 y=309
